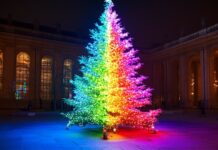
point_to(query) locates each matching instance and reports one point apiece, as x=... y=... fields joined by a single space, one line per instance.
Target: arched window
x=67 y=75
x=46 y=79
x=22 y=75
x=194 y=82
x=1 y=70
x=215 y=83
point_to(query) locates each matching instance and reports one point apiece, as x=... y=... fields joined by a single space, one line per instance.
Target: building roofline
x=40 y=31
x=184 y=39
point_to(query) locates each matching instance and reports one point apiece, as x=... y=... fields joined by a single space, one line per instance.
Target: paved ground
x=176 y=131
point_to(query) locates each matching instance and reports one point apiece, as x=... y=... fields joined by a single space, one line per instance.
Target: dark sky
x=149 y=22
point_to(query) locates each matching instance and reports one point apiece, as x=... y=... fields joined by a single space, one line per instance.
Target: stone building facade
x=36 y=64
x=184 y=73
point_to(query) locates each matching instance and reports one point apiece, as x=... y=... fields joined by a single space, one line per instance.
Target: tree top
x=109 y=1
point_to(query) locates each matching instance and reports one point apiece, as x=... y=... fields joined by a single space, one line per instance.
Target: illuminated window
x=1 y=70
x=194 y=82
x=22 y=75
x=46 y=79
x=67 y=75
x=215 y=84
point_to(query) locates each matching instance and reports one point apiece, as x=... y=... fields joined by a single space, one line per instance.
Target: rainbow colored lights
x=110 y=91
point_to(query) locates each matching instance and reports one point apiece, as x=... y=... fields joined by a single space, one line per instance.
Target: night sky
x=149 y=22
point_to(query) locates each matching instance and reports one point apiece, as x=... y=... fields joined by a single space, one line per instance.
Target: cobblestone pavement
x=46 y=131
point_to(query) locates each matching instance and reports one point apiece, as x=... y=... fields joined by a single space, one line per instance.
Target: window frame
x=67 y=86
x=22 y=80
x=46 y=86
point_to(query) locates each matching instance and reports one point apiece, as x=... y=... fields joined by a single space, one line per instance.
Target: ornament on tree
x=110 y=92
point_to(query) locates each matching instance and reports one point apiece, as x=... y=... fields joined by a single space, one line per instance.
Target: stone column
x=58 y=88
x=204 y=75
x=9 y=72
x=165 y=90
x=157 y=83
x=37 y=77
x=183 y=81
x=171 y=81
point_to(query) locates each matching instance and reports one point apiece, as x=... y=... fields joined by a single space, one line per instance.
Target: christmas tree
x=110 y=92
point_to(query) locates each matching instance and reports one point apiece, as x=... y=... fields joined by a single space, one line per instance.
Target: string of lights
x=110 y=90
